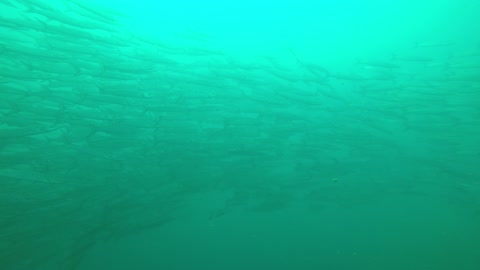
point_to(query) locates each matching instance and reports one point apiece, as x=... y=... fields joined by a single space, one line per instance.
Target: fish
x=27 y=176
x=433 y=44
x=412 y=58
x=10 y=133
x=378 y=64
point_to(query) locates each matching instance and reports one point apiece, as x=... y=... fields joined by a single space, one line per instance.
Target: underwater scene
x=224 y=135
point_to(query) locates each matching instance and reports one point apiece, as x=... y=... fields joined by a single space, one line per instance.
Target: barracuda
x=19 y=132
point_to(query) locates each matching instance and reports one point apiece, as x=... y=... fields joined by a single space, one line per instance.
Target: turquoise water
x=251 y=135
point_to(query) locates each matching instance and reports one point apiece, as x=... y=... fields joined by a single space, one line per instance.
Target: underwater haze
x=259 y=135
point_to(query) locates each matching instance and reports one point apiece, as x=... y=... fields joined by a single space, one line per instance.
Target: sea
x=239 y=135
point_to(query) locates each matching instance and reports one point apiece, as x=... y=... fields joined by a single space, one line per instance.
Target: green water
x=252 y=135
